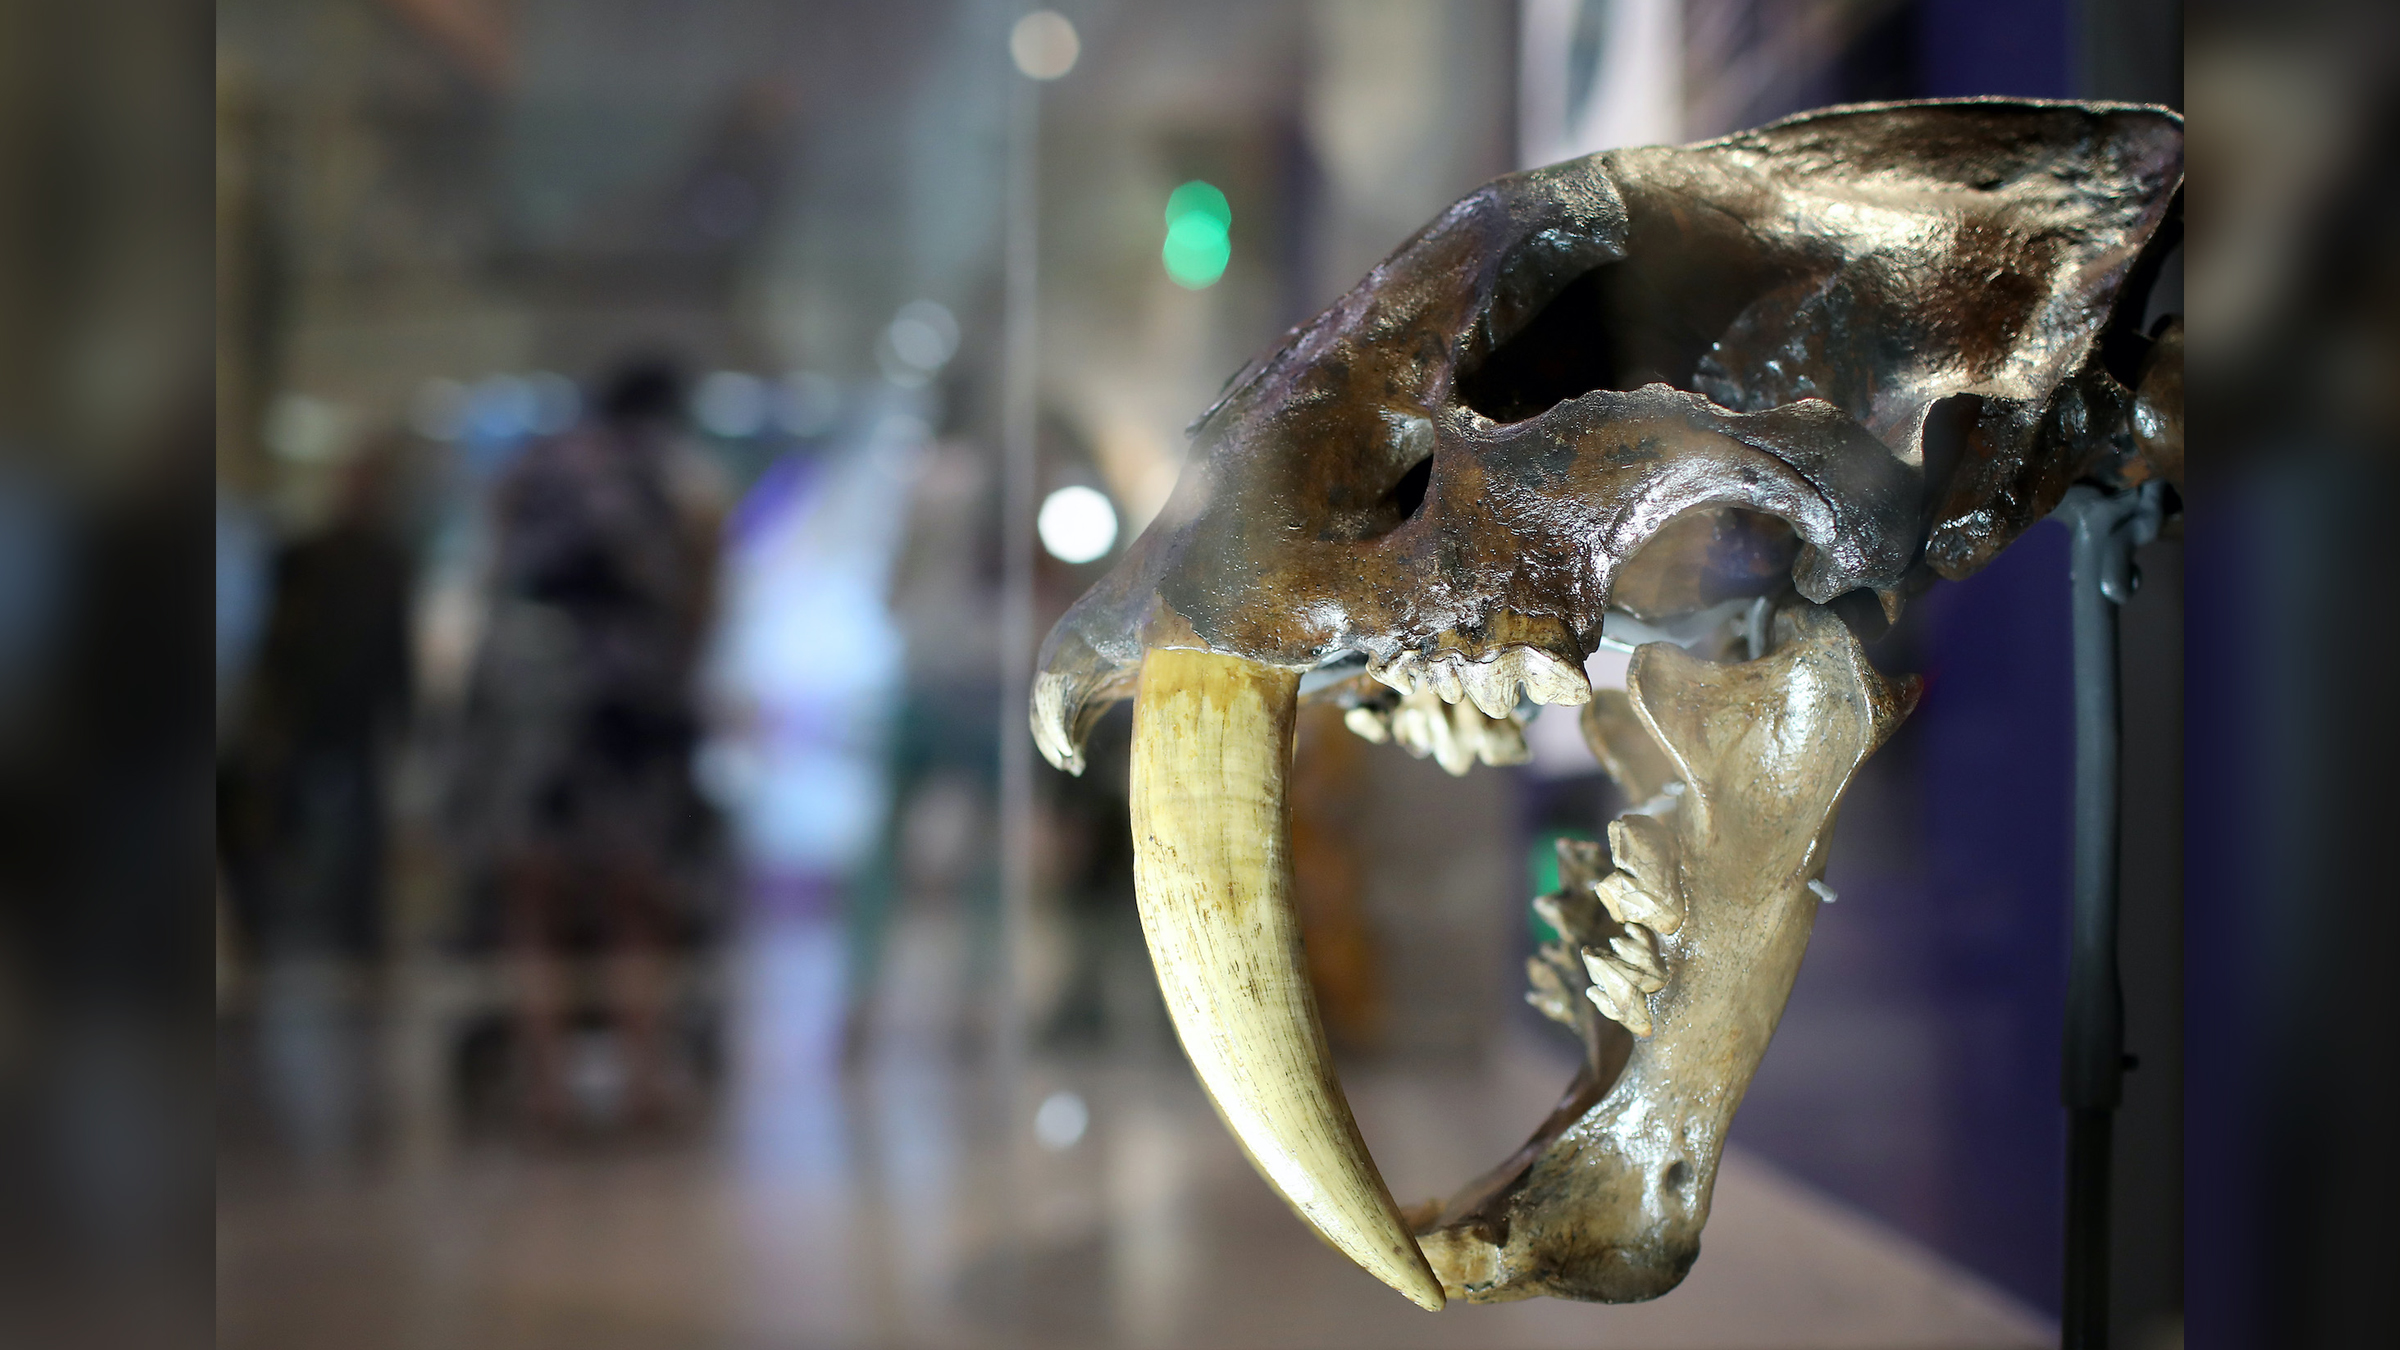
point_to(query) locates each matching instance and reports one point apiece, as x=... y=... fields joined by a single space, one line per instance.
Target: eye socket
x=1620 y=325
x=1409 y=493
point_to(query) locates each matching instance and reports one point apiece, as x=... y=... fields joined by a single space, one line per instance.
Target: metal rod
x=2106 y=529
x=1019 y=475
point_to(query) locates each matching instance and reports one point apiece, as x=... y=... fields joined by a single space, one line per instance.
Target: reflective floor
x=912 y=1201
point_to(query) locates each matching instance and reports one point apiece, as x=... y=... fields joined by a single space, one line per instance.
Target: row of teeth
x=1457 y=737
x=1491 y=685
x=1618 y=971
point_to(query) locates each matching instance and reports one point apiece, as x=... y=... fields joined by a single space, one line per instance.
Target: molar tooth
x=1370 y=724
x=1549 y=993
x=1580 y=862
x=1616 y=992
x=1645 y=847
x=1492 y=685
x=1547 y=907
x=1550 y=681
x=1627 y=902
x=1606 y=1002
x=1633 y=949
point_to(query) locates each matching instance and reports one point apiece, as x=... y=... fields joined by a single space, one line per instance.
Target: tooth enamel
x=1502 y=741
x=1370 y=724
x=1549 y=993
x=1627 y=902
x=1492 y=685
x=1212 y=745
x=1049 y=717
x=1616 y=991
x=1455 y=737
x=1580 y=863
x=1550 y=681
x=1609 y=1007
x=1632 y=948
x=1547 y=907
x=1399 y=671
x=1644 y=848
x=1422 y=727
x=1443 y=671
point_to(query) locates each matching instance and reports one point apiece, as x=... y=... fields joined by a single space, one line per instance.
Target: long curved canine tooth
x=1212 y=744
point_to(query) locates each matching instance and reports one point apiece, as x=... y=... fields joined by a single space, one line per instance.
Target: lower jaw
x=1607 y=1200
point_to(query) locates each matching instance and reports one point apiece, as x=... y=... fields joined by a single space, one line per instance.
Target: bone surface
x=1609 y=1204
x=1212 y=741
x=1800 y=372
x=1875 y=331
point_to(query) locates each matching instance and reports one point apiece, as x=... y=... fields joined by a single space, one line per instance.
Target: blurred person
x=580 y=724
x=302 y=813
x=939 y=839
x=302 y=796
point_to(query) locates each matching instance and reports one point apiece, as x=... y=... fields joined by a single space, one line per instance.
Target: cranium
x=1808 y=369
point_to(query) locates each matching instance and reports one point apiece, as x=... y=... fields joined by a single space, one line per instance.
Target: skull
x=1788 y=378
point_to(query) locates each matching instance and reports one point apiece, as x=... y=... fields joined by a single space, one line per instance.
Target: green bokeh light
x=1198 y=243
x=1201 y=197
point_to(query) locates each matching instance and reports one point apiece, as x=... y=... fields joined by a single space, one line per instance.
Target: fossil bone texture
x=1747 y=397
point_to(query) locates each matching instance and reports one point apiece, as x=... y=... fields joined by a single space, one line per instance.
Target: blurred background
x=631 y=914
x=638 y=918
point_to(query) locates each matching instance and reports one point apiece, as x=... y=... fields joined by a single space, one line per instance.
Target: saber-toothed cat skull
x=1815 y=365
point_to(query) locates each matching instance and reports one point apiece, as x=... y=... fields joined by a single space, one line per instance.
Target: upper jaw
x=1505 y=572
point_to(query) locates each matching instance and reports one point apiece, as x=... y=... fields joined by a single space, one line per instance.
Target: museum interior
x=652 y=440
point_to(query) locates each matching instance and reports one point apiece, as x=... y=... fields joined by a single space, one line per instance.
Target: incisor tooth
x=1443 y=672
x=1212 y=741
x=1399 y=670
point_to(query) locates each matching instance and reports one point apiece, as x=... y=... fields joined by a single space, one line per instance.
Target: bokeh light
x=1077 y=524
x=1199 y=241
x=1061 y=1120
x=1044 y=45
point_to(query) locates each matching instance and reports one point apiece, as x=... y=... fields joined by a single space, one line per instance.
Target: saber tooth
x=1212 y=747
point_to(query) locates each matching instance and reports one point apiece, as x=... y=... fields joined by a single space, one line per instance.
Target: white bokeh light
x=1061 y=1121
x=1077 y=524
x=1044 y=45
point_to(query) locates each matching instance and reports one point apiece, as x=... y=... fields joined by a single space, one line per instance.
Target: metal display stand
x=2107 y=528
